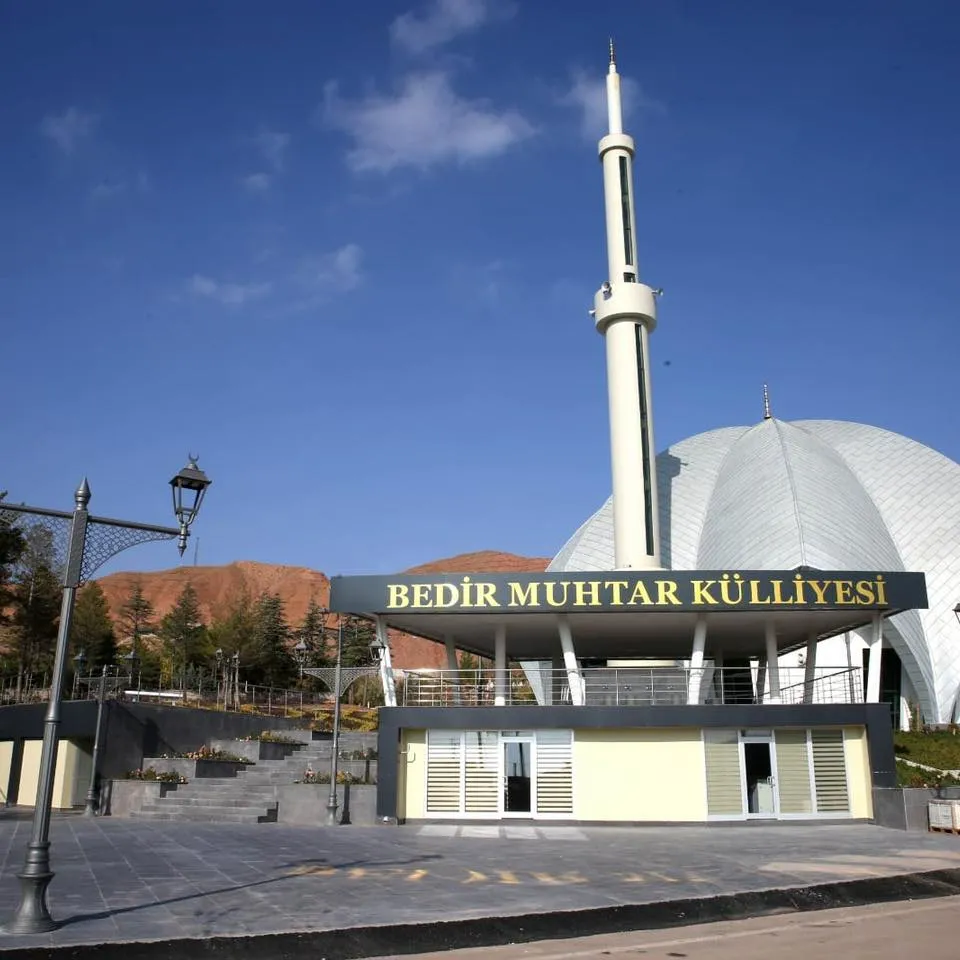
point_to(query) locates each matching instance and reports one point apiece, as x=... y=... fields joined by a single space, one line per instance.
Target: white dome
x=828 y=494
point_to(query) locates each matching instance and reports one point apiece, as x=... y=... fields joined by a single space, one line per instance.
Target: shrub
x=162 y=776
x=207 y=753
x=935 y=748
x=910 y=776
x=342 y=777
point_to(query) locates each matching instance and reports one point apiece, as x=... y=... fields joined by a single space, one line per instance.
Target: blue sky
x=345 y=252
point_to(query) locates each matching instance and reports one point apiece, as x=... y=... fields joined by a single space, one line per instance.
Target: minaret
x=626 y=313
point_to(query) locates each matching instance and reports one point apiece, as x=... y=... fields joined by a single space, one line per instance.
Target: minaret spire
x=626 y=313
x=767 y=415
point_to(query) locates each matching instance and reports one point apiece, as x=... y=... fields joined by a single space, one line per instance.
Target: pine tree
x=358 y=634
x=37 y=595
x=11 y=547
x=312 y=632
x=92 y=629
x=275 y=664
x=184 y=635
x=136 y=621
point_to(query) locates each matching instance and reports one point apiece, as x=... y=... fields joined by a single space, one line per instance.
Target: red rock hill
x=217 y=586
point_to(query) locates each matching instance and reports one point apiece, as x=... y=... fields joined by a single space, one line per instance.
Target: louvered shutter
x=722 y=756
x=829 y=771
x=481 y=771
x=793 y=771
x=554 y=772
x=444 y=763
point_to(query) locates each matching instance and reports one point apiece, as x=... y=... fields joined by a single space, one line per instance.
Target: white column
x=696 y=660
x=873 y=664
x=773 y=664
x=810 y=668
x=386 y=665
x=570 y=662
x=851 y=676
x=500 y=678
x=453 y=680
x=761 y=677
x=718 y=678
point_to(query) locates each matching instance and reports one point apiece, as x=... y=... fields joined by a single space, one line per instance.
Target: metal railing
x=628 y=686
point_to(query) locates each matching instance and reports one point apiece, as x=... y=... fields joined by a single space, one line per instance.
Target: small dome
x=821 y=493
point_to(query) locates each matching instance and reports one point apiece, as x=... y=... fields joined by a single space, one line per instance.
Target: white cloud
x=425 y=123
x=229 y=294
x=443 y=21
x=338 y=270
x=69 y=128
x=108 y=189
x=588 y=95
x=257 y=182
x=273 y=147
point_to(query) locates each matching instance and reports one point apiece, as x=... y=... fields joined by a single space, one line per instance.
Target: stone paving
x=120 y=880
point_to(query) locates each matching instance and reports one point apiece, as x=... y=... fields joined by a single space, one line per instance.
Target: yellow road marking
x=417 y=875
x=507 y=876
x=475 y=877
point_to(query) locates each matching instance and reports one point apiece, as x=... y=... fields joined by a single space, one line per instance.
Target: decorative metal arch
x=348 y=676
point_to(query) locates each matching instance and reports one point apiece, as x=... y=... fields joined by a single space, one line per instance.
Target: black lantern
x=192 y=480
x=956 y=611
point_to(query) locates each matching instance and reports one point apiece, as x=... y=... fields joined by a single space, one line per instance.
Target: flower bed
x=196 y=769
x=151 y=773
x=253 y=750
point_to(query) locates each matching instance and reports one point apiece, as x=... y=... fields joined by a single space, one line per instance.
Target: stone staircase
x=250 y=796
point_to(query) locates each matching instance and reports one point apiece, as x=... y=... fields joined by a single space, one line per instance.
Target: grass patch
x=937 y=748
x=908 y=776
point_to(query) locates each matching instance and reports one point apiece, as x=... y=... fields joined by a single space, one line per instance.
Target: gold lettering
x=451 y=595
x=755 y=593
x=551 y=594
x=820 y=589
x=726 y=591
x=584 y=588
x=865 y=594
x=777 y=595
x=881 y=591
x=617 y=587
x=421 y=595
x=701 y=591
x=798 y=587
x=667 y=593
x=465 y=598
x=524 y=596
x=844 y=590
x=398 y=595
x=487 y=595
x=640 y=594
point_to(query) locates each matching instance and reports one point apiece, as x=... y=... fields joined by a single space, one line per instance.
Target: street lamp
x=221 y=677
x=132 y=660
x=956 y=612
x=83 y=543
x=235 y=697
x=78 y=661
x=300 y=654
x=91 y=809
x=334 y=754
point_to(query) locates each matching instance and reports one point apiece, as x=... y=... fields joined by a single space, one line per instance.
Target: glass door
x=519 y=777
x=759 y=763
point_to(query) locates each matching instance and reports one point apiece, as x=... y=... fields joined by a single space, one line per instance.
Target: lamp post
x=92 y=806
x=300 y=654
x=334 y=753
x=956 y=612
x=221 y=677
x=235 y=697
x=78 y=661
x=84 y=543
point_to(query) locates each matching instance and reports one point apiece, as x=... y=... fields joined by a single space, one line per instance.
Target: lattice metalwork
x=49 y=536
x=106 y=540
x=348 y=676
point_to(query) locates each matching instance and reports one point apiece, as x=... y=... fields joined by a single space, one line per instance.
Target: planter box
x=120 y=798
x=194 y=769
x=255 y=750
x=305 y=804
x=366 y=770
x=906 y=808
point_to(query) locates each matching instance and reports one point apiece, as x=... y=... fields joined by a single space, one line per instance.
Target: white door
x=758 y=766
x=518 y=777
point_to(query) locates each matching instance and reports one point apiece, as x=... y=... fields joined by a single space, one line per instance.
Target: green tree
x=358 y=634
x=11 y=547
x=37 y=594
x=184 y=634
x=273 y=661
x=234 y=629
x=92 y=629
x=313 y=633
x=136 y=621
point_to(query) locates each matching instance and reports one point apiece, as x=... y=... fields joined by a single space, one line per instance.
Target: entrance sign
x=669 y=590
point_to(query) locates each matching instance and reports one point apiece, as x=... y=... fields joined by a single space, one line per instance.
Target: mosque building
x=722 y=640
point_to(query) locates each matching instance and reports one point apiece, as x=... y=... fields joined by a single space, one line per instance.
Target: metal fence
x=628 y=686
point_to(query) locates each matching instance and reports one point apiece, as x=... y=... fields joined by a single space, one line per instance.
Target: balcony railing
x=628 y=687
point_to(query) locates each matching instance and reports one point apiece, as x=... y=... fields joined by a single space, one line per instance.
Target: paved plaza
x=122 y=880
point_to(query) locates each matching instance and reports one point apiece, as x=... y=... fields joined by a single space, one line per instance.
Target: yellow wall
x=6 y=755
x=70 y=763
x=650 y=774
x=859 y=779
x=412 y=776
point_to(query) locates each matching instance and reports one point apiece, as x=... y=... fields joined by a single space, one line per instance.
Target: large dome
x=824 y=493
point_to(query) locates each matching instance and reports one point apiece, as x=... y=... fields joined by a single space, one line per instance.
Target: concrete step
x=171 y=801
x=204 y=816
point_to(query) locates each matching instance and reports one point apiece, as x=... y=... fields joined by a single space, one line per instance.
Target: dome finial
x=767 y=415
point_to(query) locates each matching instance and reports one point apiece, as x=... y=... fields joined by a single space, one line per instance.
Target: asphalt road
x=928 y=929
